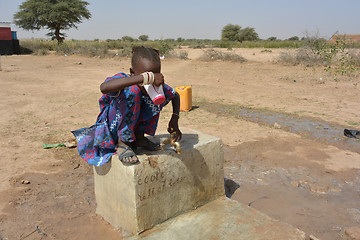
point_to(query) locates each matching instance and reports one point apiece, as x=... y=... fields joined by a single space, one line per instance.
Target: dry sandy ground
x=48 y=194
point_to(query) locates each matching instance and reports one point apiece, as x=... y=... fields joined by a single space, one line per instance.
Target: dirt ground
x=309 y=183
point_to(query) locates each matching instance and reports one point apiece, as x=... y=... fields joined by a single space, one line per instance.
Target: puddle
x=307 y=127
x=307 y=196
x=270 y=176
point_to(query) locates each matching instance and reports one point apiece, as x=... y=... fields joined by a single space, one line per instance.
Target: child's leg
x=130 y=112
x=149 y=127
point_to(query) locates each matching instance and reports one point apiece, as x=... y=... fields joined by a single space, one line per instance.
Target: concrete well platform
x=222 y=219
x=163 y=185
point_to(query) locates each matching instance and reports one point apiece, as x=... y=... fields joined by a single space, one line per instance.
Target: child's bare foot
x=127 y=155
x=142 y=141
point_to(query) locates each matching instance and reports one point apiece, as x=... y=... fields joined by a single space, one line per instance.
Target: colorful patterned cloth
x=121 y=114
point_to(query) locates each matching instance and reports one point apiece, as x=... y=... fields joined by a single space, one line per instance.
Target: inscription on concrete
x=163 y=185
x=157 y=182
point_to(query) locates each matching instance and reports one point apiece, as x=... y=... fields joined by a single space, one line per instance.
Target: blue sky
x=160 y=19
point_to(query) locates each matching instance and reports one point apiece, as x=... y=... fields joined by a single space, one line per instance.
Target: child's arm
x=174 y=121
x=117 y=84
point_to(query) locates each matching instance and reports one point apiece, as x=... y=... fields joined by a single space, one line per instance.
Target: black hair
x=139 y=52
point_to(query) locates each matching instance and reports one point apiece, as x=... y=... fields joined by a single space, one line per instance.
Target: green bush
x=339 y=57
x=163 y=47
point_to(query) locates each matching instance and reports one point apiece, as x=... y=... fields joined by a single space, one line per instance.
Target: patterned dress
x=121 y=115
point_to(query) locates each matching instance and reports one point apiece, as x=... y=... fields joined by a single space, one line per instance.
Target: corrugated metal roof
x=5 y=24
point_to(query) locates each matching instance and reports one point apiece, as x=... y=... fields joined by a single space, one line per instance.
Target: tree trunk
x=57 y=35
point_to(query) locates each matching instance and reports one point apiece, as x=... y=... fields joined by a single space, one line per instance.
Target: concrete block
x=163 y=185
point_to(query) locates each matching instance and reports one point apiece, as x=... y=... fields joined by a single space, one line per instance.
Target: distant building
x=351 y=37
x=9 y=44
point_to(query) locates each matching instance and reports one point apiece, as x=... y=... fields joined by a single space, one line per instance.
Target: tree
x=294 y=38
x=248 y=34
x=234 y=33
x=230 y=32
x=144 y=38
x=272 y=39
x=127 y=39
x=54 y=15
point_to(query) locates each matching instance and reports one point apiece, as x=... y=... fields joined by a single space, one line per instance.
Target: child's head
x=145 y=59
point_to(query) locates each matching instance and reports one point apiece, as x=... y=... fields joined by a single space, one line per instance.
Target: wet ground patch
x=306 y=127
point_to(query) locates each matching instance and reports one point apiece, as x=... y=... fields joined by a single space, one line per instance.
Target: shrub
x=42 y=52
x=180 y=54
x=266 y=50
x=125 y=52
x=86 y=48
x=303 y=56
x=64 y=49
x=334 y=56
x=34 y=46
x=25 y=50
x=92 y=51
x=164 y=47
x=355 y=54
x=339 y=57
x=183 y=55
x=197 y=46
x=115 y=44
x=216 y=55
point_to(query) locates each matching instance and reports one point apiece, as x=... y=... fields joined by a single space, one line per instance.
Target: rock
x=230 y=187
x=295 y=183
x=25 y=181
x=351 y=233
x=277 y=126
x=312 y=237
x=70 y=144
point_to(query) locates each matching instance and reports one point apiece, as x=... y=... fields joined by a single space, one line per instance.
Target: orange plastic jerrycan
x=185 y=93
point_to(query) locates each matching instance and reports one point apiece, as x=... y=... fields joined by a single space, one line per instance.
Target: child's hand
x=174 y=127
x=159 y=79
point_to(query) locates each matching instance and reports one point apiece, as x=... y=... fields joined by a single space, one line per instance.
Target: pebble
x=25 y=181
x=277 y=126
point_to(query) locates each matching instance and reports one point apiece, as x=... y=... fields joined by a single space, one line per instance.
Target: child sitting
x=127 y=112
